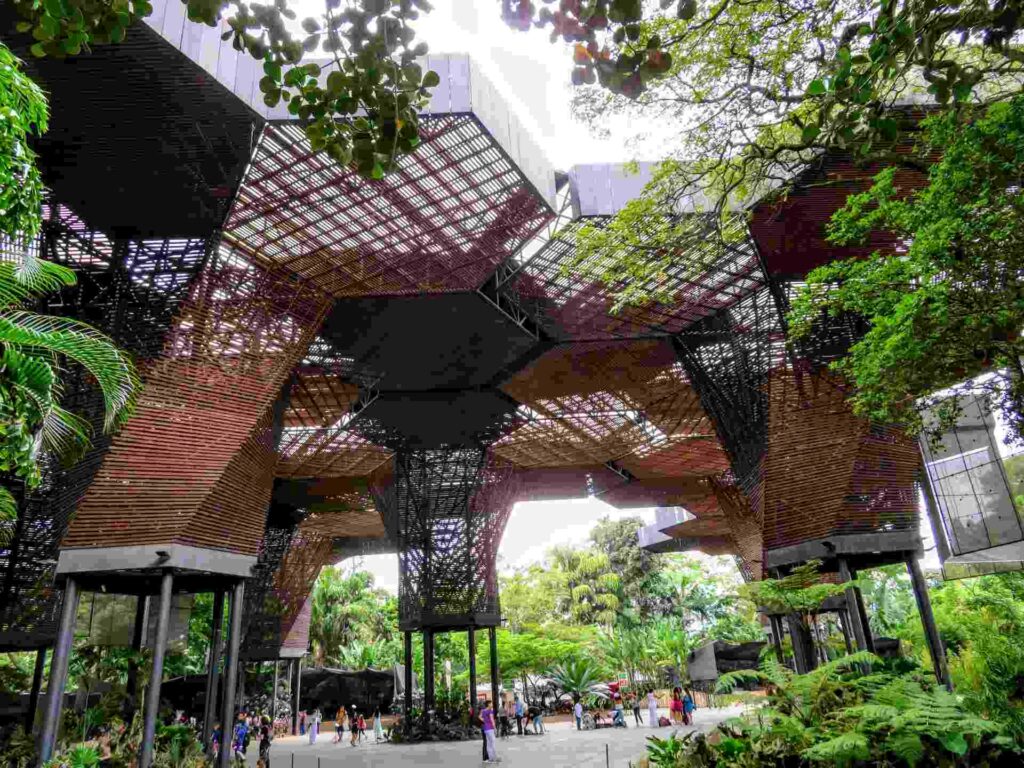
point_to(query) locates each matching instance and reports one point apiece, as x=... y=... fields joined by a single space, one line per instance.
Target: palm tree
x=32 y=350
x=578 y=678
x=589 y=585
x=629 y=651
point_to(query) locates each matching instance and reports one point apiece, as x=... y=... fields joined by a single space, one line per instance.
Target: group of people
x=354 y=720
x=524 y=716
x=681 y=708
x=247 y=727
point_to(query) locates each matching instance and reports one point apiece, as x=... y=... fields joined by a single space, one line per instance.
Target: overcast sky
x=530 y=73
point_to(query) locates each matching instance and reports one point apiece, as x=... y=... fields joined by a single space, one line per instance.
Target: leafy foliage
x=838 y=715
x=748 y=93
x=352 y=621
x=578 y=678
x=950 y=306
x=372 y=73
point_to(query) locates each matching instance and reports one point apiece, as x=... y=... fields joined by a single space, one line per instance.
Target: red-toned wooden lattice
x=194 y=464
x=454 y=210
x=130 y=289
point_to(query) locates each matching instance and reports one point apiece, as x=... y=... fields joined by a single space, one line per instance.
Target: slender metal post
x=293 y=690
x=862 y=611
x=428 y=670
x=58 y=672
x=776 y=625
x=216 y=643
x=156 y=675
x=227 y=720
x=860 y=631
x=931 y=631
x=408 y=677
x=492 y=636
x=273 y=694
x=472 y=671
x=802 y=654
x=37 y=685
x=844 y=626
x=138 y=634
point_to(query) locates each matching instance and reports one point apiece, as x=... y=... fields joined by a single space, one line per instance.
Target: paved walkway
x=561 y=747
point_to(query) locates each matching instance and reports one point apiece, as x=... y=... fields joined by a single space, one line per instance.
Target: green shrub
x=854 y=711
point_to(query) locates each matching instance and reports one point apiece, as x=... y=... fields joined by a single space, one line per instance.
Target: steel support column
x=408 y=677
x=803 y=650
x=216 y=649
x=931 y=631
x=156 y=674
x=492 y=636
x=844 y=626
x=37 y=685
x=776 y=625
x=273 y=695
x=58 y=672
x=296 y=690
x=857 y=626
x=472 y=671
x=138 y=634
x=862 y=611
x=227 y=720
x=428 y=670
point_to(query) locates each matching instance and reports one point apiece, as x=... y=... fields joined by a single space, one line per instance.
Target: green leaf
x=816 y=88
x=431 y=79
x=809 y=133
x=955 y=743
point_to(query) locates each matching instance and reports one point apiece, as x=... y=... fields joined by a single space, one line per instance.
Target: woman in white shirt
x=652 y=709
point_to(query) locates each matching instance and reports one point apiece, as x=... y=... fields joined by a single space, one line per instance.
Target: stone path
x=562 y=747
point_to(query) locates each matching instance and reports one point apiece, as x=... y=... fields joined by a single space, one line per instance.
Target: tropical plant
x=798 y=595
x=33 y=347
x=837 y=715
x=947 y=307
x=748 y=93
x=578 y=678
x=630 y=652
x=589 y=585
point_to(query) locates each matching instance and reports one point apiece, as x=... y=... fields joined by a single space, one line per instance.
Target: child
x=362 y=727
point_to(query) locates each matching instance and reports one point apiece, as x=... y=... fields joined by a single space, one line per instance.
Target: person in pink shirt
x=487 y=722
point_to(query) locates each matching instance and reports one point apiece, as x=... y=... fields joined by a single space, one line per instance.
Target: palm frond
x=18 y=284
x=8 y=516
x=65 y=434
x=96 y=352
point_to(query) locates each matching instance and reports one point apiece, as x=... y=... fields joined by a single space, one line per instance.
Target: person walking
x=520 y=713
x=339 y=724
x=266 y=736
x=675 y=706
x=240 y=734
x=688 y=707
x=652 y=709
x=353 y=726
x=314 y=726
x=362 y=727
x=378 y=728
x=635 y=703
x=577 y=712
x=302 y=723
x=487 y=721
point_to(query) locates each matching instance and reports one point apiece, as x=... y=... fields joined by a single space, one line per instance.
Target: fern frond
x=729 y=681
x=841 y=750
